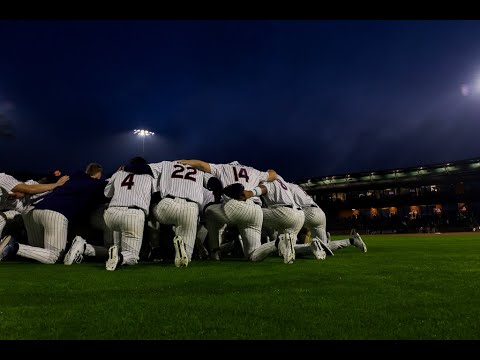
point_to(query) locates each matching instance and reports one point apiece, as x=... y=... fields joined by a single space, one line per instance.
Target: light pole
x=143 y=133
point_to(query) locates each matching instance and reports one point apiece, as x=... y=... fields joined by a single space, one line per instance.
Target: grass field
x=405 y=287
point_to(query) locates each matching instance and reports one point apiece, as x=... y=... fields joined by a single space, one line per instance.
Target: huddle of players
x=121 y=204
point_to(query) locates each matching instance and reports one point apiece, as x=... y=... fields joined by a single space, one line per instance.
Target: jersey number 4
x=128 y=181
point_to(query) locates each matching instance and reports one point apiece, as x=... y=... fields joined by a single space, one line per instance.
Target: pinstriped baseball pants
x=6 y=216
x=130 y=224
x=283 y=219
x=183 y=215
x=316 y=221
x=246 y=215
x=55 y=229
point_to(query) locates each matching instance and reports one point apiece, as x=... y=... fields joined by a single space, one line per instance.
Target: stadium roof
x=426 y=174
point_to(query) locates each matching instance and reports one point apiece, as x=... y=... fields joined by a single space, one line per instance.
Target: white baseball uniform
x=129 y=206
x=315 y=218
x=10 y=208
x=51 y=217
x=181 y=188
x=246 y=215
x=282 y=213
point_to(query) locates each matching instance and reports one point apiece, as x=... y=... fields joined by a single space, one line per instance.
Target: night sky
x=306 y=98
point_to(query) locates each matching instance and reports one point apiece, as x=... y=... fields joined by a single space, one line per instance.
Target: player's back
x=246 y=175
x=278 y=193
x=128 y=189
x=179 y=180
x=300 y=196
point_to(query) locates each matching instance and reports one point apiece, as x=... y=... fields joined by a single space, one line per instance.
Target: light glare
x=143 y=132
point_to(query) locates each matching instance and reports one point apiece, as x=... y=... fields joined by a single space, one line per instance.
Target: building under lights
x=441 y=197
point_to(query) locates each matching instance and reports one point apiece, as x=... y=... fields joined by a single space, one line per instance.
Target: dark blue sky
x=306 y=98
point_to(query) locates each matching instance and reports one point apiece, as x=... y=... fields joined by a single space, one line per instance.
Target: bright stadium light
x=143 y=133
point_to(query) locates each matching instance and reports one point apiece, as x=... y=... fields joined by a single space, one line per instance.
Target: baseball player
x=124 y=217
x=285 y=216
x=129 y=206
x=316 y=221
x=53 y=212
x=244 y=214
x=181 y=188
x=16 y=196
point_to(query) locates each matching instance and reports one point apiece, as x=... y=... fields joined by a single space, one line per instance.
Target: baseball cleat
x=5 y=240
x=325 y=247
x=285 y=248
x=6 y=246
x=113 y=258
x=358 y=242
x=75 y=253
x=317 y=250
x=181 y=259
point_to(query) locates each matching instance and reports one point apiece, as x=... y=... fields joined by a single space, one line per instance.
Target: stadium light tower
x=143 y=133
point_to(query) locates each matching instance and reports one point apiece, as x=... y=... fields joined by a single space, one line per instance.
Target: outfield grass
x=405 y=287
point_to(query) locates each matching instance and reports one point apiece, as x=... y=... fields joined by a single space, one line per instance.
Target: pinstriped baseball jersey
x=179 y=180
x=127 y=189
x=300 y=196
x=278 y=193
x=282 y=213
x=242 y=174
x=9 y=204
x=8 y=182
x=21 y=205
x=247 y=216
x=29 y=199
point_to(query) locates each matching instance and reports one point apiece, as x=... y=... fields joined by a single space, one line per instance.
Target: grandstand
x=429 y=198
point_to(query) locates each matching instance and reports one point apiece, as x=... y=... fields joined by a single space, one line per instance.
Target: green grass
x=405 y=287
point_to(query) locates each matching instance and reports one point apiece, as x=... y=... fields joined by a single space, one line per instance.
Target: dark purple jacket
x=77 y=196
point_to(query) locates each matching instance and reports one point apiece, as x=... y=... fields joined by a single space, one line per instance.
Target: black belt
x=313 y=206
x=174 y=197
x=291 y=207
x=135 y=207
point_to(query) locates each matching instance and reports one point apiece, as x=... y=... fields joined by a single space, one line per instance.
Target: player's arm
x=272 y=175
x=197 y=164
x=39 y=188
x=109 y=189
x=257 y=191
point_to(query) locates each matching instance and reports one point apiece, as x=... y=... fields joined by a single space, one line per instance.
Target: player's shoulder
x=6 y=176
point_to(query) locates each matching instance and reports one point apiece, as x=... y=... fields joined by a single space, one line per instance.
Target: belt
x=135 y=207
x=289 y=206
x=176 y=197
x=313 y=206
